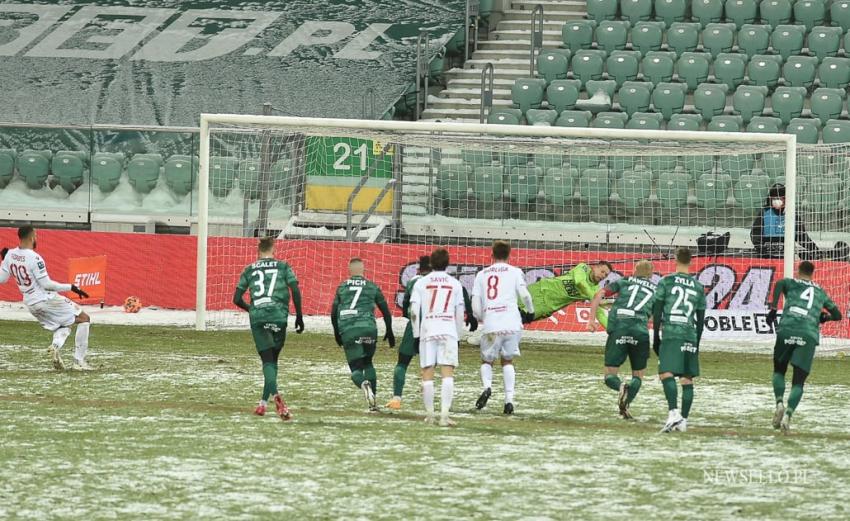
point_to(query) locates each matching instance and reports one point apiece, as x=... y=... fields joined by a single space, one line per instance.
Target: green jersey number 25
x=683 y=298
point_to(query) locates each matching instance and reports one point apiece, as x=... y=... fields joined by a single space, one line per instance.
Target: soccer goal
x=390 y=191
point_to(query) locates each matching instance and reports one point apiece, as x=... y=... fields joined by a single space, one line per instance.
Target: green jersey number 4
x=809 y=296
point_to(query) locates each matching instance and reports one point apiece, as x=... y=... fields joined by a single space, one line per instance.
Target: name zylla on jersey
x=28 y=269
x=269 y=281
x=804 y=301
x=435 y=299
x=633 y=304
x=682 y=295
x=497 y=288
x=354 y=305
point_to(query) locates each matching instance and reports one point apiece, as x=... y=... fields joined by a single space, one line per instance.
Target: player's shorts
x=268 y=334
x=55 y=313
x=496 y=345
x=359 y=346
x=799 y=350
x=678 y=357
x=438 y=351
x=631 y=343
x=409 y=346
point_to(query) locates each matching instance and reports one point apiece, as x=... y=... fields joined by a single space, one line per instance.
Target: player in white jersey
x=436 y=312
x=495 y=298
x=54 y=312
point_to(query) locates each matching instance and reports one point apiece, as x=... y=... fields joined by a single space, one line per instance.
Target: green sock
x=270 y=380
x=613 y=381
x=372 y=376
x=687 y=399
x=634 y=387
x=399 y=374
x=670 y=392
x=794 y=399
x=358 y=377
x=779 y=387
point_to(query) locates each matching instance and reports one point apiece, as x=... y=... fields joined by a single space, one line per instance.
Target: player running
x=678 y=312
x=628 y=334
x=353 y=319
x=797 y=336
x=54 y=312
x=270 y=281
x=495 y=294
x=436 y=311
x=552 y=294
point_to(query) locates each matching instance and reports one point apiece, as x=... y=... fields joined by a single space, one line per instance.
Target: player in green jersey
x=628 y=334
x=552 y=294
x=679 y=313
x=355 y=330
x=270 y=281
x=806 y=307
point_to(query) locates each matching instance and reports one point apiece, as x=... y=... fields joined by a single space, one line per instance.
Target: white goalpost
x=390 y=191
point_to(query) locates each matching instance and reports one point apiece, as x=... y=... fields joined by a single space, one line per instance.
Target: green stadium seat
x=512 y=159
x=500 y=117
x=249 y=178
x=741 y=12
x=618 y=164
x=476 y=158
x=180 y=173
x=562 y=95
x=812 y=164
x=707 y=11
x=553 y=65
x=765 y=125
x=836 y=131
x=527 y=93
x=587 y=66
x=773 y=164
x=787 y=40
x=658 y=162
x=809 y=13
x=106 y=169
x=547 y=161
x=735 y=165
x=753 y=39
x=635 y=96
x=34 y=167
x=683 y=37
x=824 y=193
x=710 y=99
x=622 y=68
x=594 y=186
x=647 y=36
x=612 y=35
x=799 y=71
x=222 y=175
x=489 y=185
x=636 y=10
x=748 y=101
x=730 y=69
x=578 y=34
x=776 y=12
x=606 y=87
x=698 y=165
x=787 y=103
x=671 y=10
x=827 y=104
x=692 y=68
x=281 y=177
x=657 y=68
x=559 y=185
x=523 y=183
x=454 y=184
x=712 y=190
x=824 y=42
x=645 y=121
x=764 y=70
x=688 y=122
x=718 y=38
x=669 y=98
x=807 y=130
x=69 y=169
x=634 y=188
x=750 y=191
x=725 y=124
x=600 y=10
x=7 y=167
x=541 y=117
x=573 y=118
x=610 y=120
x=839 y=13
x=143 y=172
x=834 y=73
x=673 y=190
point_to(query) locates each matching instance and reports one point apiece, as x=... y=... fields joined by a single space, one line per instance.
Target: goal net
x=389 y=192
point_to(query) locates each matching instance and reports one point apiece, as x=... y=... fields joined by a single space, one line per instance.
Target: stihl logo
x=87 y=279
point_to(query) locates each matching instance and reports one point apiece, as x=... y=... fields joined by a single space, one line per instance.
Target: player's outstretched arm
x=459 y=321
x=3 y=253
x=296 y=301
x=700 y=317
x=657 y=310
x=335 y=320
x=470 y=320
x=778 y=290
x=832 y=312
x=594 y=308
x=389 y=336
x=239 y=300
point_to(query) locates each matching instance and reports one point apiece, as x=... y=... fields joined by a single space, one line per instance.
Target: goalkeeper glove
x=3 y=253
x=825 y=317
x=299 y=324
x=771 y=317
x=472 y=322
x=527 y=318
x=80 y=293
x=390 y=337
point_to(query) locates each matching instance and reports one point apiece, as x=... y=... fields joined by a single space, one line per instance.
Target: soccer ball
x=132 y=305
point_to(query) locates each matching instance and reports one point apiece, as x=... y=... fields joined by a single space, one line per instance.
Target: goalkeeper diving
x=552 y=294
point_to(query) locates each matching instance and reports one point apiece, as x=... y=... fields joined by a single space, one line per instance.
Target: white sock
x=428 y=395
x=486 y=375
x=59 y=337
x=264 y=403
x=509 y=374
x=447 y=391
x=81 y=340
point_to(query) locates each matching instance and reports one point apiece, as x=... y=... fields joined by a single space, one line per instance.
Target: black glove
x=472 y=322
x=825 y=317
x=527 y=318
x=771 y=317
x=80 y=293
x=656 y=343
x=299 y=324
x=338 y=338
x=390 y=337
x=3 y=253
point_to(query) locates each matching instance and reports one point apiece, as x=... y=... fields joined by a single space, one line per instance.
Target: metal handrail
x=486 y=90
x=536 y=36
x=352 y=231
x=472 y=10
x=423 y=71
